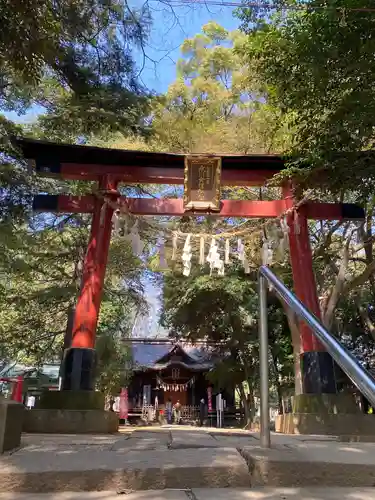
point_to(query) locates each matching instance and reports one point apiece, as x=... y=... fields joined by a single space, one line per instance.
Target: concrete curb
x=293 y=473
x=125 y=479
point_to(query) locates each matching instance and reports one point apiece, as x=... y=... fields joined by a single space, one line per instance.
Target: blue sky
x=169 y=29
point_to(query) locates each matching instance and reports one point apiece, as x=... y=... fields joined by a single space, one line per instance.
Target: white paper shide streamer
x=135 y=240
x=227 y=251
x=162 y=260
x=297 y=227
x=246 y=266
x=103 y=212
x=186 y=256
x=285 y=229
x=116 y=222
x=214 y=260
x=201 y=251
x=241 y=250
x=281 y=248
x=174 y=246
x=267 y=253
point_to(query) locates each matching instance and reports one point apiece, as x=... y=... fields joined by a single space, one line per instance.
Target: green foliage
x=316 y=67
x=299 y=82
x=221 y=316
x=224 y=310
x=73 y=58
x=114 y=364
x=214 y=106
x=41 y=258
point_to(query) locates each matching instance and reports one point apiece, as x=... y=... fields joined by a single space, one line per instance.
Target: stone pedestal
x=71 y=400
x=70 y=421
x=322 y=404
x=11 y=419
x=71 y=412
x=326 y=414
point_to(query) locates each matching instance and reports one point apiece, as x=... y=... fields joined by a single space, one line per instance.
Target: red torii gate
x=109 y=168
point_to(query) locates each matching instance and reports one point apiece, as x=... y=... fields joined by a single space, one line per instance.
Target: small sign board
x=202 y=183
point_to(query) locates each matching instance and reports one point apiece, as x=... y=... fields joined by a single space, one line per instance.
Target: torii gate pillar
x=317 y=366
x=78 y=369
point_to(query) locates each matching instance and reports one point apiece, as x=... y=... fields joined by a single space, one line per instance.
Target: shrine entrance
x=203 y=178
x=175 y=396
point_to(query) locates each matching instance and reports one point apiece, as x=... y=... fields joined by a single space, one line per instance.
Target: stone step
x=144 y=460
x=209 y=494
x=90 y=470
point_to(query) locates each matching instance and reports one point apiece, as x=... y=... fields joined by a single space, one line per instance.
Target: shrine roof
x=80 y=154
x=150 y=356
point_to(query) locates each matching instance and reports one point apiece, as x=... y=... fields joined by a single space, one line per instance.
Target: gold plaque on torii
x=202 y=183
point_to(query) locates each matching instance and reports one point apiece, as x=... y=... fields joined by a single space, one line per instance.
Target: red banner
x=124 y=404
x=209 y=398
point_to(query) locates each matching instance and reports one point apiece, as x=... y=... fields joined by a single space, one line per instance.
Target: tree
x=42 y=281
x=114 y=356
x=41 y=265
x=210 y=107
x=315 y=65
x=74 y=59
x=224 y=310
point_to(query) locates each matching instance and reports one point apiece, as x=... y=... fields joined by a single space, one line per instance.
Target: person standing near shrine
x=177 y=412
x=202 y=411
x=168 y=408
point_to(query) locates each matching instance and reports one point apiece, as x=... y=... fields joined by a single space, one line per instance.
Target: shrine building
x=175 y=372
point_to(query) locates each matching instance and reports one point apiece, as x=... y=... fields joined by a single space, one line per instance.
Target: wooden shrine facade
x=109 y=168
x=172 y=372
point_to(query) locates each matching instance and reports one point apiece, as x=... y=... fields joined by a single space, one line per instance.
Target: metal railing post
x=344 y=358
x=265 y=437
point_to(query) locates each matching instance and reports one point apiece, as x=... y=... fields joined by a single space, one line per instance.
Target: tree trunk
x=278 y=385
x=250 y=402
x=244 y=404
x=296 y=341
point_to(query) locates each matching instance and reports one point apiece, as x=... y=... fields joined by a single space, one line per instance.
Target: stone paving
x=182 y=458
x=210 y=494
